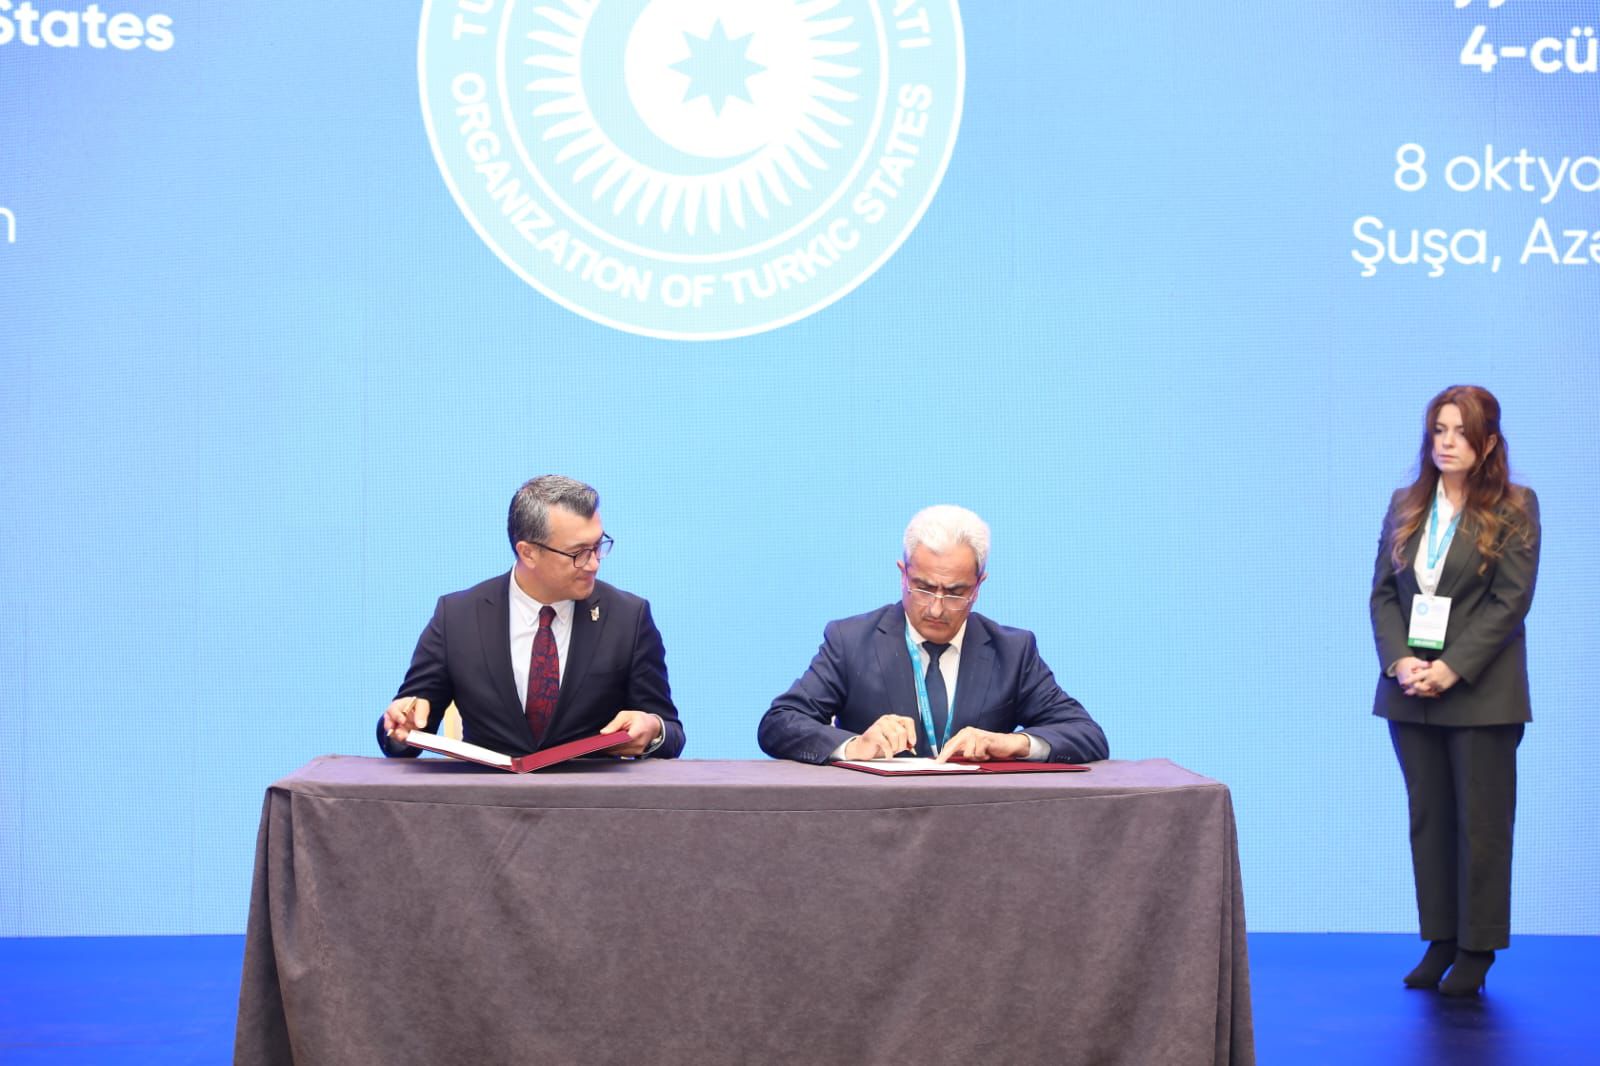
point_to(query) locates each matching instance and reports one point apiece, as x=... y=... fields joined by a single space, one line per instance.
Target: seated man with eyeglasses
x=929 y=675
x=545 y=654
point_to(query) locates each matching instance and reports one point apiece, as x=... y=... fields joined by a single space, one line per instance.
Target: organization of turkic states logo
x=692 y=169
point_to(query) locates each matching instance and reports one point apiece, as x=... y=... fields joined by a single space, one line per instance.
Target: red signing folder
x=517 y=764
x=929 y=767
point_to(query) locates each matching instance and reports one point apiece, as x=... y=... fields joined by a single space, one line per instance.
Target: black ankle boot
x=1435 y=961
x=1469 y=974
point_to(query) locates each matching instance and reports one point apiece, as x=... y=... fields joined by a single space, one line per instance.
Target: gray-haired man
x=930 y=675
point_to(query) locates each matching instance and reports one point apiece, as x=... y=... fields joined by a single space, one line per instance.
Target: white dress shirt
x=525 y=626
x=1428 y=576
x=949 y=659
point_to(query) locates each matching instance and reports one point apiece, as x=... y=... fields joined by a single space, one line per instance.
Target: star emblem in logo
x=719 y=67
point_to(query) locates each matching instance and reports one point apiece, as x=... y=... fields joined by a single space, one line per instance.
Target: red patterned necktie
x=544 y=677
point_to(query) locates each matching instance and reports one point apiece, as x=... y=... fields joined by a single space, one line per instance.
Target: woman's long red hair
x=1495 y=509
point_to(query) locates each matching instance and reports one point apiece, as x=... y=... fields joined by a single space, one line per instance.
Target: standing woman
x=1453 y=582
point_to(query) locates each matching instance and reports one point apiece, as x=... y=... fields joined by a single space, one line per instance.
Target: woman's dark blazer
x=1485 y=643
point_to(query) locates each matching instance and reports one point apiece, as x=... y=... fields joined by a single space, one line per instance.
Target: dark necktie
x=938 y=701
x=544 y=677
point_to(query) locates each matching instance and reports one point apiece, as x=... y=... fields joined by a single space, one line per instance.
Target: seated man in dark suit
x=545 y=654
x=978 y=690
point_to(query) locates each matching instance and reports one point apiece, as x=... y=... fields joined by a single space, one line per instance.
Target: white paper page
x=906 y=766
x=458 y=748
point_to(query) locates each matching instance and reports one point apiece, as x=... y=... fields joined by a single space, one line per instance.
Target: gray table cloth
x=431 y=912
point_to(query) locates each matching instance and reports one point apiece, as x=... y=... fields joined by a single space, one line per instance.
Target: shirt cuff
x=1038 y=750
x=661 y=736
x=837 y=754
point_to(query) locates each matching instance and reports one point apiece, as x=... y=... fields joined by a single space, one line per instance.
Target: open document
x=517 y=764
x=911 y=767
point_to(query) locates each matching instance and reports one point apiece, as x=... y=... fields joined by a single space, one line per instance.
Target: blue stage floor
x=1319 y=999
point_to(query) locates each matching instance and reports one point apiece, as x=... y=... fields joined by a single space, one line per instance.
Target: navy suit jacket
x=615 y=661
x=863 y=670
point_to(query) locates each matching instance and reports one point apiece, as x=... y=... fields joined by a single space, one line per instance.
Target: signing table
x=426 y=911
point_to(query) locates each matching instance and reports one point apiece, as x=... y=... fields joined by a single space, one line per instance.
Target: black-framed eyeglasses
x=580 y=558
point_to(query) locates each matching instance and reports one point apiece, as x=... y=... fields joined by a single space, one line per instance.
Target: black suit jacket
x=863 y=670
x=615 y=661
x=1485 y=642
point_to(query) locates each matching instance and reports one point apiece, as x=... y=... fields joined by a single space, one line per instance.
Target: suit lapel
x=894 y=663
x=1462 y=551
x=588 y=623
x=494 y=623
x=972 y=681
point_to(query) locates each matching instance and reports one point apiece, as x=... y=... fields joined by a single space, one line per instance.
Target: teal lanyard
x=1437 y=545
x=920 y=676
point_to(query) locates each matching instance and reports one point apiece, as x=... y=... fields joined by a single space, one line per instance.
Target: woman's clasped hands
x=1419 y=677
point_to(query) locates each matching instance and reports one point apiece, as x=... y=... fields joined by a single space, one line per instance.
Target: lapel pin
x=594 y=613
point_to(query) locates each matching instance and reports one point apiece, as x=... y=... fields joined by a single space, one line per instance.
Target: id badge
x=1430 y=615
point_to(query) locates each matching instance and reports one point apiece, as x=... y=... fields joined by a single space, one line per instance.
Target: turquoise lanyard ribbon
x=920 y=676
x=1437 y=545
